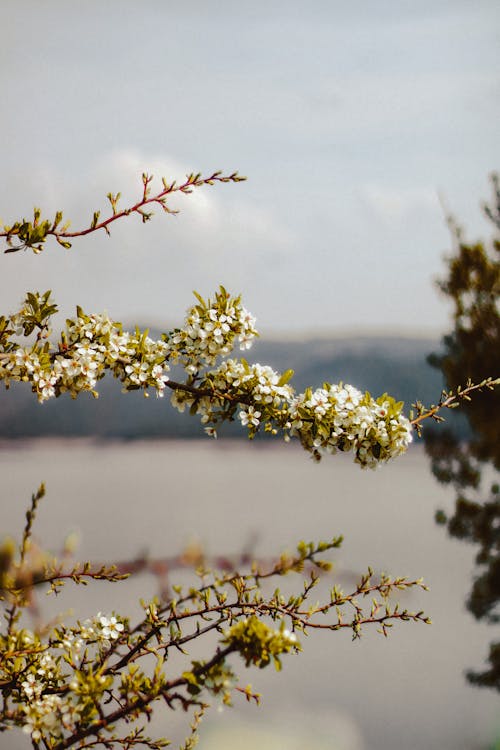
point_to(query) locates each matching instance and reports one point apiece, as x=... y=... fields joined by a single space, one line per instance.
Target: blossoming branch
x=326 y=420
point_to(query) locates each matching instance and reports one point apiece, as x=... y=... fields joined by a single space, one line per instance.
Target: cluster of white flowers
x=340 y=417
x=211 y=330
x=73 y=642
x=100 y=629
x=42 y=712
x=48 y=715
x=332 y=418
x=139 y=362
x=258 y=389
x=47 y=704
x=107 y=629
x=93 y=344
x=90 y=345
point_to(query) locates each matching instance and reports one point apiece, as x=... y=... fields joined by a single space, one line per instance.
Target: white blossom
x=249 y=417
x=329 y=419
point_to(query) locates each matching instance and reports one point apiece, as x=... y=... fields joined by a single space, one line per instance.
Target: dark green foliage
x=472 y=350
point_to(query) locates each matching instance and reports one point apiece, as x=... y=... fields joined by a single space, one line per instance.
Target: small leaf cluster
x=33 y=234
x=258 y=643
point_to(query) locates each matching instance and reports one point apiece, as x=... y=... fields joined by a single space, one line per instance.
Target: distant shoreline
x=221 y=443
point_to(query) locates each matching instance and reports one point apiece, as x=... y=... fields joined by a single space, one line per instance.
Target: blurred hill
x=395 y=365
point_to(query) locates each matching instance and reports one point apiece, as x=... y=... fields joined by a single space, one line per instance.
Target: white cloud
x=395 y=207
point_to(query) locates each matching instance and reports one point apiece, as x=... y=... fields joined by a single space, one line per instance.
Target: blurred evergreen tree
x=472 y=350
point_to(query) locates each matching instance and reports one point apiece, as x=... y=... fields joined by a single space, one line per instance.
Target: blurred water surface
x=403 y=693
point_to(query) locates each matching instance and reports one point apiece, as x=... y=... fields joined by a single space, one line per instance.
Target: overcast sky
x=349 y=120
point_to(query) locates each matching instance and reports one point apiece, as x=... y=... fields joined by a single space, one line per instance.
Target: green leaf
x=286 y=376
x=200 y=300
